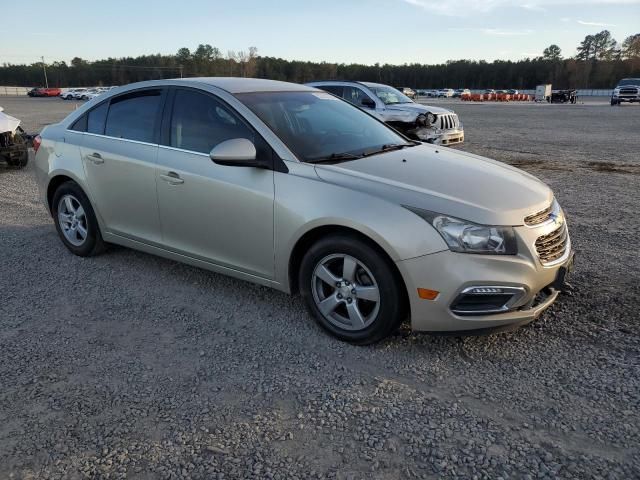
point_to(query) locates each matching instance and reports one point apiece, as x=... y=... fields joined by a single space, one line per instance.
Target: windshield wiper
x=335 y=158
x=389 y=148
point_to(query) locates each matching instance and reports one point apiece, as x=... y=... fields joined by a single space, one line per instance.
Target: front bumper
x=629 y=99
x=441 y=137
x=451 y=273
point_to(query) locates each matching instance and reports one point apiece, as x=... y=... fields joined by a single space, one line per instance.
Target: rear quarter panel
x=59 y=154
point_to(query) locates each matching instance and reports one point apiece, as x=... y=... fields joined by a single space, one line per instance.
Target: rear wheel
x=351 y=289
x=76 y=221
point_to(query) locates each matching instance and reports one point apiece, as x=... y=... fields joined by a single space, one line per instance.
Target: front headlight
x=468 y=237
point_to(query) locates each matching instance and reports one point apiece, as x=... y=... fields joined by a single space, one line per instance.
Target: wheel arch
x=53 y=185
x=316 y=233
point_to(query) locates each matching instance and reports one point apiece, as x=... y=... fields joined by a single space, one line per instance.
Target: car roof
x=372 y=84
x=247 y=85
x=350 y=82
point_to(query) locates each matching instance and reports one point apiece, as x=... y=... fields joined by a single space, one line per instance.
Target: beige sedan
x=288 y=186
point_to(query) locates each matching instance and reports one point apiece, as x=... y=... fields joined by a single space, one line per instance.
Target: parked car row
x=83 y=93
x=291 y=187
x=69 y=93
x=44 y=92
x=459 y=92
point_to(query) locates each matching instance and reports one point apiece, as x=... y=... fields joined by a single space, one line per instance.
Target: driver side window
x=199 y=122
x=355 y=95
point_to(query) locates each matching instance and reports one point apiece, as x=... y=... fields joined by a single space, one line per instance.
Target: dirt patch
x=614 y=167
x=533 y=164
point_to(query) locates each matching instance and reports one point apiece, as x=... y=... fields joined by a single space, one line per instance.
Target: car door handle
x=172 y=178
x=96 y=158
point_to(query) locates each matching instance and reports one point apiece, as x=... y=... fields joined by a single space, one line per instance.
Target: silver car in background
x=426 y=123
x=288 y=186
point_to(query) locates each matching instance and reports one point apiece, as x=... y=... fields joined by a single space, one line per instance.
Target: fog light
x=483 y=300
x=480 y=290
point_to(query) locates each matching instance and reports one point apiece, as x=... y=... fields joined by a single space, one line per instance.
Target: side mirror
x=237 y=152
x=368 y=103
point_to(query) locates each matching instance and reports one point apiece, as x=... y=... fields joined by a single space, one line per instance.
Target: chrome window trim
x=117 y=138
x=184 y=150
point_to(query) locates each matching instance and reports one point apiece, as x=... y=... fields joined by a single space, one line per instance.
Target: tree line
x=599 y=63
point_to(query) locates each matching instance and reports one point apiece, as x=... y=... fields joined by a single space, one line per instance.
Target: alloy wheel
x=345 y=292
x=72 y=220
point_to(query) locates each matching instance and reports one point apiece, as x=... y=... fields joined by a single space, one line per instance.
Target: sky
x=342 y=31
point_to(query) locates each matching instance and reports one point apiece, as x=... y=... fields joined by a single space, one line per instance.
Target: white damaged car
x=420 y=122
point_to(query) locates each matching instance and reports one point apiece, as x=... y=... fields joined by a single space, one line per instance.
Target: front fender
x=305 y=202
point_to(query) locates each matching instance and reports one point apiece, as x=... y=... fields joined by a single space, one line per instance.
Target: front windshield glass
x=389 y=95
x=629 y=81
x=317 y=126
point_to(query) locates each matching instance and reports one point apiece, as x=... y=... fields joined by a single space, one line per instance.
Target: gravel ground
x=130 y=366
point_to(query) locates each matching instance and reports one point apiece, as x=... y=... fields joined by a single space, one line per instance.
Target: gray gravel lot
x=130 y=366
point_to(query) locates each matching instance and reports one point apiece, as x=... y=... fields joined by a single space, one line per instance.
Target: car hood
x=418 y=108
x=445 y=181
x=408 y=112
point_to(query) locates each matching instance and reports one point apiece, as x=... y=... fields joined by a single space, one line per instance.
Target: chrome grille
x=552 y=246
x=629 y=91
x=448 y=121
x=539 y=217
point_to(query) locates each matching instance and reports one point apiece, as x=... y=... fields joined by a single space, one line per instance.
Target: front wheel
x=352 y=290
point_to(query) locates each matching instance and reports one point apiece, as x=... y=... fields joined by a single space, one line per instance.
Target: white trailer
x=543 y=93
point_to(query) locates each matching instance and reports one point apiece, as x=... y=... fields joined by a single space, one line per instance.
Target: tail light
x=37 y=141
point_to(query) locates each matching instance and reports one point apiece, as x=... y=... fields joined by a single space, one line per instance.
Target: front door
x=221 y=214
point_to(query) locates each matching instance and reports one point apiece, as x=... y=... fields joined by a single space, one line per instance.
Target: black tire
x=392 y=305
x=93 y=243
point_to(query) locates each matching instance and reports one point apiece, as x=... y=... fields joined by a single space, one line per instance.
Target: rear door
x=222 y=214
x=119 y=153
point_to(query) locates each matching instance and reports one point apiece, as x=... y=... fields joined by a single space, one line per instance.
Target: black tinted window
x=335 y=89
x=96 y=118
x=80 y=125
x=133 y=116
x=199 y=122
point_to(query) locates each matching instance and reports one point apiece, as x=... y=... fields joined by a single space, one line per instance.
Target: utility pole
x=44 y=68
x=181 y=71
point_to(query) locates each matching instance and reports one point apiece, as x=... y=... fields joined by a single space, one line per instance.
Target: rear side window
x=80 y=125
x=199 y=122
x=134 y=116
x=96 y=118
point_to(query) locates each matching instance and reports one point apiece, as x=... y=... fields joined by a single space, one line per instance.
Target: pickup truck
x=628 y=90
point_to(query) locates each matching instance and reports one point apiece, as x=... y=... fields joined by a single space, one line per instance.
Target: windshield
x=389 y=95
x=629 y=81
x=318 y=126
